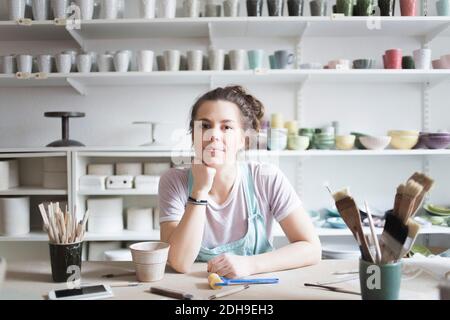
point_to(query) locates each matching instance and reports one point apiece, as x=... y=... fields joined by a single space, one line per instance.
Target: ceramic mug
x=238 y=59
x=387 y=7
x=443 y=7
x=8 y=64
x=295 y=7
x=122 y=61
x=195 y=60
x=59 y=8
x=408 y=7
x=231 y=8
x=272 y=62
x=24 y=63
x=40 y=9
x=364 y=8
x=393 y=59
x=191 y=8
x=145 y=60
x=437 y=64
x=167 y=8
x=109 y=9
x=63 y=62
x=283 y=59
x=73 y=58
x=183 y=63
x=408 y=62
x=86 y=9
x=318 y=7
x=254 y=8
x=213 y=10
x=44 y=63
x=277 y=139
x=345 y=7
x=148 y=8
x=275 y=7
x=256 y=58
x=216 y=58
x=84 y=63
x=105 y=62
x=380 y=282
x=422 y=58
x=172 y=60
x=16 y=9
x=160 y=63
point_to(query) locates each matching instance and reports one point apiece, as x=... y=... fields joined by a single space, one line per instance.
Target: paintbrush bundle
x=63 y=227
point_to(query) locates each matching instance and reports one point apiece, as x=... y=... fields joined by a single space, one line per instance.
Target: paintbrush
x=398 y=198
x=228 y=292
x=411 y=192
x=335 y=289
x=392 y=239
x=426 y=183
x=374 y=234
x=350 y=214
x=413 y=232
x=171 y=293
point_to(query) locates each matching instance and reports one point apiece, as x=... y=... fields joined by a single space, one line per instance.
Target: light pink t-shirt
x=227 y=222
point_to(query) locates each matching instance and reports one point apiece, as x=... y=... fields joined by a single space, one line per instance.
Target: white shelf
x=222 y=27
x=32 y=191
x=120 y=192
x=332 y=153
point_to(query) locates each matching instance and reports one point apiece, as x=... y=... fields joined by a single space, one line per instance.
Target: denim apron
x=255 y=240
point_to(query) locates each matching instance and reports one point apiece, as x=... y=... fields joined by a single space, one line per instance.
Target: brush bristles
x=341 y=194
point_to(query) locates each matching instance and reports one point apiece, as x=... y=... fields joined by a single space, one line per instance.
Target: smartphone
x=101 y=291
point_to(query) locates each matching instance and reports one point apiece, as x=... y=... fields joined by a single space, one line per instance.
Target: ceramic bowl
x=358 y=143
x=436 y=141
x=298 y=142
x=375 y=142
x=363 y=63
x=345 y=142
x=278 y=138
x=150 y=252
x=403 y=142
x=438 y=64
x=311 y=65
x=403 y=133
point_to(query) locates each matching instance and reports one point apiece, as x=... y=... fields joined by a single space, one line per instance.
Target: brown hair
x=252 y=110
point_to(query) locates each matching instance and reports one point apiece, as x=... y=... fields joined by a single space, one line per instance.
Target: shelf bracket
x=299 y=103
x=434 y=33
x=75 y=34
x=77 y=86
x=425 y=107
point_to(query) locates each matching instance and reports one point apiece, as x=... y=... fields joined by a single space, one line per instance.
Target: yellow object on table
x=292 y=127
x=277 y=121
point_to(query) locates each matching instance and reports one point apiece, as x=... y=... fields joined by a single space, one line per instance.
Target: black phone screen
x=79 y=292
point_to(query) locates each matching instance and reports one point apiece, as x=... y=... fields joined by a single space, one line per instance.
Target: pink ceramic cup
x=445 y=61
x=408 y=7
x=394 y=59
x=437 y=64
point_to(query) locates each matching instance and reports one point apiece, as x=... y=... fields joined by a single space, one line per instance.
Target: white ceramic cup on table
x=63 y=62
x=105 y=62
x=86 y=9
x=109 y=9
x=167 y=8
x=172 y=60
x=238 y=59
x=422 y=58
x=145 y=60
x=191 y=8
x=8 y=64
x=40 y=9
x=122 y=60
x=84 y=63
x=16 y=9
x=24 y=63
x=73 y=59
x=216 y=59
x=44 y=63
x=195 y=60
x=148 y=9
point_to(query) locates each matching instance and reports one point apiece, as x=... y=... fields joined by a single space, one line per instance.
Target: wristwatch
x=197 y=202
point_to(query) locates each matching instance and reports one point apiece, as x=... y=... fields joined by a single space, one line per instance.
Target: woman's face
x=218 y=133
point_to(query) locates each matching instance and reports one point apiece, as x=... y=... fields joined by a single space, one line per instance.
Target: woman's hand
x=203 y=179
x=231 y=266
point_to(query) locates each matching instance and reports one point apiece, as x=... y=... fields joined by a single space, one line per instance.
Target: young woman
x=221 y=211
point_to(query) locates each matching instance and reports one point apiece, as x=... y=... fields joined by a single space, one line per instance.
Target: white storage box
x=55 y=180
x=97 y=249
x=14 y=216
x=119 y=182
x=100 y=170
x=129 y=169
x=55 y=164
x=13 y=173
x=140 y=219
x=147 y=183
x=106 y=215
x=156 y=218
x=92 y=183
x=118 y=255
x=156 y=168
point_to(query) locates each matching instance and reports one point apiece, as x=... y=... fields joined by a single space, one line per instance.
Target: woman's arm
x=304 y=249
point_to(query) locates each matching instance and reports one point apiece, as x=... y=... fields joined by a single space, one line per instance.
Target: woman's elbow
x=316 y=256
x=179 y=265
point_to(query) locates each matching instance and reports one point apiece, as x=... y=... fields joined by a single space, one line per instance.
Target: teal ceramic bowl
x=337 y=223
x=332 y=212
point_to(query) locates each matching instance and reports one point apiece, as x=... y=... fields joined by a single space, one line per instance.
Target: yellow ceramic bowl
x=404 y=142
x=296 y=142
x=403 y=133
x=345 y=142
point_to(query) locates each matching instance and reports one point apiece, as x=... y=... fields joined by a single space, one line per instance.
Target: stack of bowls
x=324 y=138
x=440 y=140
x=309 y=133
x=346 y=142
x=358 y=143
x=150 y=260
x=403 y=139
